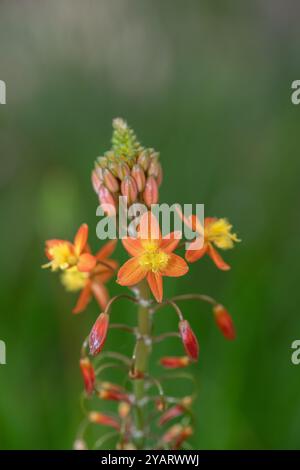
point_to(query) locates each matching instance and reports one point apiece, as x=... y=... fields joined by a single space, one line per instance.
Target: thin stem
x=202 y=297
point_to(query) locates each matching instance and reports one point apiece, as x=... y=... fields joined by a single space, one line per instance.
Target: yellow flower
x=73 y=280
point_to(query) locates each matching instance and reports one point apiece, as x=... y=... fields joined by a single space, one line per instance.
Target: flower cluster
x=147 y=416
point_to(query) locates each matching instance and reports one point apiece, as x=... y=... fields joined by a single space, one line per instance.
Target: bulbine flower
x=217 y=232
x=64 y=254
x=152 y=257
x=224 y=322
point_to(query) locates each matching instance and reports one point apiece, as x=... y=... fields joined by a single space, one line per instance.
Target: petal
x=193 y=255
x=105 y=270
x=106 y=250
x=131 y=273
x=156 y=285
x=149 y=227
x=83 y=299
x=86 y=262
x=101 y=294
x=55 y=241
x=132 y=246
x=176 y=266
x=217 y=259
x=170 y=241
x=81 y=238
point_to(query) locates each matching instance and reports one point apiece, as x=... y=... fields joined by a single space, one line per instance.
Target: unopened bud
x=224 y=322
x=96 y=182
x=144 y=160
x=150 y=195
x=114 y=395
x=129 y=189
x=110 y=181
x=123 y=409
x=106 y=420
x=159 y=177
x=170 y=362
x=107 y=201
x=98 y=334
x=102 y=161
x=88 y=374
x=123 y=170
x=171 y=413
x=139 y=176
x=153 y=169
x=189 y=340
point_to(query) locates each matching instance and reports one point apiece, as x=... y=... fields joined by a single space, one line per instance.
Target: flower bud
x=107 y=201
x=98 y=334
x=129 y=189
x=150 y=195
x=113 y=167
x=159 y=177
x=123 y=409
x=224 y=322
x=96 y=182
x=88 y=374
x=139 y=176
x=170 y=362
x=122 y=170
x=79 y=444
x=111 y=394
x=102 y=161
x=99 y=172
x=189 y=340
x=144 y=160
x=171 y=413
x=153 y=169
x=106 y=420
x=110 y=181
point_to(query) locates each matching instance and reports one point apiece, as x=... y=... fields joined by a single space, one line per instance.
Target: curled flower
x=88 y=374
x=152 y=257
x=224 y=322
x=217 y=232
x=171 y=362
x=101 y=418
x=63 y=254
x=189 y=340
x=98 y=334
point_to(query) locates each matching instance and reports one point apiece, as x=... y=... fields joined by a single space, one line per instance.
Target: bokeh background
x=209 y=85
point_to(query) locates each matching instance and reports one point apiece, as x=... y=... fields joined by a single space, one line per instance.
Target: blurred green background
x=208 y=84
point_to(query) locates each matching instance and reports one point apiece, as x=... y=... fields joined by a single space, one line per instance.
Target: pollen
x=73 y=280
x=153 y=259
x=219 y=232
x=62 y=256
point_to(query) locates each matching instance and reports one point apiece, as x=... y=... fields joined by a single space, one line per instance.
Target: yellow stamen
x=153 y=259
x=73 y=280
x=62 y=256
x=219 y=233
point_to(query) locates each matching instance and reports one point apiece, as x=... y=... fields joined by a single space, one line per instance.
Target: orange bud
x=129 y=189
x=170 y=362
x=106 y=420
x=144 y=160
x=114 y=395
x=153 y=169
x=110 y=181
x=107 y=200
x=98 y=334
x=171 y=413
x=139 y=176
x=122 y=170
x=150 y=193
x=224 y=322
x=189 y=340
x=88 y=374
x=96 y=182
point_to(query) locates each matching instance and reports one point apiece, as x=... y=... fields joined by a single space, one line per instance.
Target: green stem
x=141 y=359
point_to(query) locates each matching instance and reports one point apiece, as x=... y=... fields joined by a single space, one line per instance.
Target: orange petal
x=149 y=227
x=131 y=273
x=176 y=266
x=106 y=250
x=86 y=262
x=105 y=270
x=55 y=241
x=156 y=285
x=101 y=294
x=132 y=246
x=170 y=241
x=193 y=255
x=83 y=299
x=217 y=259
x=195 y=224
x=81 y=238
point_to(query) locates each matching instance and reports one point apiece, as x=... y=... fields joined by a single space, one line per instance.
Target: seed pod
x=110 y=181
x=129 y=189
x=150 y=194
x=138 y=174
x=224 y=322
x=98 y=334
x=189 y=340
x=88 y=374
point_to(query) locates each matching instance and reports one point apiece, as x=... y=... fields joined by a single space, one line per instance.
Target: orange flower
x=216 y=232
x=64 y=254
x=152 y=257
x=92 y=283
